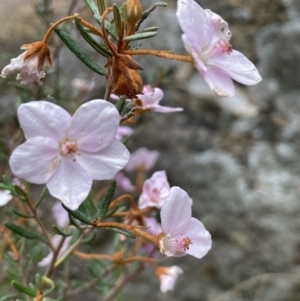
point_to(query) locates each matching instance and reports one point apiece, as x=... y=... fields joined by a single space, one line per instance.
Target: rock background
x=237 y=158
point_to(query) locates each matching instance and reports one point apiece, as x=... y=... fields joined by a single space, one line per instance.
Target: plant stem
x=162 y=54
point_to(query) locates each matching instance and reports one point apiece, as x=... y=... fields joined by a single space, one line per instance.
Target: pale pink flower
x=150 y=99
x=167 y=277
x=206 y=37
x=142 y=159
x=60 y=215
x=123 y=131
x=182 y=234
x=66 y=153
x=155 y=191
x=83 y=85
x=55 y=241
x=30 y=63
x=124 y=182
x=5 y=197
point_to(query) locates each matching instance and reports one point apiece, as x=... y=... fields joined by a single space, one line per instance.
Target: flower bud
x=134 y=12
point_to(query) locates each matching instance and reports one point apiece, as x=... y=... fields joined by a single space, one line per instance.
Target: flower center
x=217 y=49
x=175 y=245
x=69 y=148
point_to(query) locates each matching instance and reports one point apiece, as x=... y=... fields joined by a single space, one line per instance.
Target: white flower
x=30 y=63
x=66 y=153
x=182 y=234
x=167 y=277
x=5 y=197
x=206 y=37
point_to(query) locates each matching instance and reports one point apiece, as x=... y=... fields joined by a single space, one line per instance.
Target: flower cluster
x=67 y=153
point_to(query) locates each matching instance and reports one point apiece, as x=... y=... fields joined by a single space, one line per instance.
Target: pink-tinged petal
x=94 y=125
x=167 y=277
x=60 y=215
x=15 y=64
x=35 y=160
x=143 y=159
x=200 y=237
x=105 y=164
x=43 y=118
x=238 y=67
x=155 y=191
x=153 y=226
x=71 y=183
x=123 y=131
x=220 y=27
x=195 y=23
x=124 y=182
x=151 y=97
x=162 y=109
x=218 y=81
x=176 y=212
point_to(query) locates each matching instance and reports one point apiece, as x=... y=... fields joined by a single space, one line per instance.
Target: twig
x=122 y=283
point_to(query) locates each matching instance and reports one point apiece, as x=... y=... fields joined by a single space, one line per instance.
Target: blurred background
x=238 y=158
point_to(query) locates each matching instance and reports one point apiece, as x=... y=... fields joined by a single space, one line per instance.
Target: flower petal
x=71 y=183
x=35 y=160
x=162 y=109
x=43 y=118
x=218 y=81
x=195 y=23
x=176 y=212
x=104 y=164
x=200 y=237
x=94 y=125
x=238 y=67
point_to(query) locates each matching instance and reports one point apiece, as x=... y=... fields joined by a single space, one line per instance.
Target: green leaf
x=99 y=48
x=140 y=36
x=78 y=215
x=154 y=28
x=41 y=197
x=24 y=289
x=108 y=26
x=65 y=232
x=10 y=297
x=117 y=20
x=26 y=233
x=49 y=282
x=121 y=103
x=101 y=6
x=74 y=221
x=89 y=239
x=121 y=231
x=78 y=51
x=104 y=205
x=18 y=213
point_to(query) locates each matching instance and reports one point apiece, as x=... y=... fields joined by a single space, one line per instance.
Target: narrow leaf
x=154 y=28
x=140 y=36
x=10 y=297
x=78 y=215
x=121 y=103
x=107 y=200
x=101 y=6
x=26 y=233
x=18 y=213
x=117 y=20
x=99 y=48
x=24 y=289
x=89 y=239
x=108 y=26
x=121 y=231
x=65 y=232
x=78 y=51
x=41 y=198
x=74 y=221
